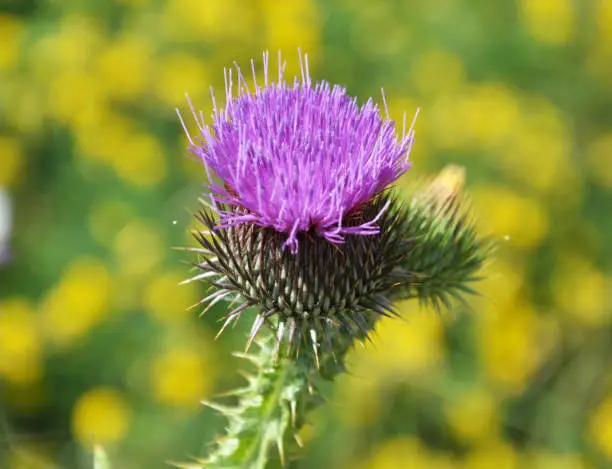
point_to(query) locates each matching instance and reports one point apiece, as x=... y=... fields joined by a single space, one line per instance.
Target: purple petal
x=299 y=156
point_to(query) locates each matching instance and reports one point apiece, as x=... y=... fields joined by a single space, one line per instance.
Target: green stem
x=265 y=414
x=272 y=407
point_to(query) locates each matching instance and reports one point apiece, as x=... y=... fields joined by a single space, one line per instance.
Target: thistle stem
x=264 y=416
x=273 y=406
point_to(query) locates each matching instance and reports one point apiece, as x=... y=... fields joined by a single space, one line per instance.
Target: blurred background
x=96 y=343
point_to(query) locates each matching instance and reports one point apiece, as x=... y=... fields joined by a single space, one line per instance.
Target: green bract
x=320 y=291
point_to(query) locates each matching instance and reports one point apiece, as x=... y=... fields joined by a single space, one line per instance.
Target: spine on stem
x=273 y=406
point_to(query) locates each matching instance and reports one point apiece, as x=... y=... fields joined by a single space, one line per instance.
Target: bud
x=447 y=254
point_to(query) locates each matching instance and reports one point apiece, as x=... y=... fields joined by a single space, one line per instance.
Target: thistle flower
x=302 y=227
x=298 y=156
x=302 y=166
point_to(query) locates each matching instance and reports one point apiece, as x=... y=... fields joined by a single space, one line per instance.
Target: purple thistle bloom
x=298 y=156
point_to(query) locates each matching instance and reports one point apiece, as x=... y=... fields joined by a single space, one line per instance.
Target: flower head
x=301 y=164
x=298 y=156
x=310 y=295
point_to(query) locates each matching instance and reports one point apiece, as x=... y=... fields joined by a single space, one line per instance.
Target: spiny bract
x=448 y=255
x=311 y=295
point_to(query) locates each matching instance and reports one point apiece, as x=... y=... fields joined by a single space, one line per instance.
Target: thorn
x=291 y=334
x=281 y=449
x=261 y=342
x=298 y=440
x=351 y=328
x=293 y=406
x=222 y=409
x=252 y=358
x=198 y=277
x=232 y=392
x=185 y=465
x=200 y=250
x=298 y=344
x=259 y=320
x=232 y=316
x=225 y=324
x=215 y=297
x=246 y=375
x=280 y=332
x=360 y=322
x=381 y=311
x=386 y=305
x=236 y=298
x=313 y=338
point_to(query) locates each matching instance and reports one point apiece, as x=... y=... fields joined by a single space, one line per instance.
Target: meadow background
x=96 y=343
